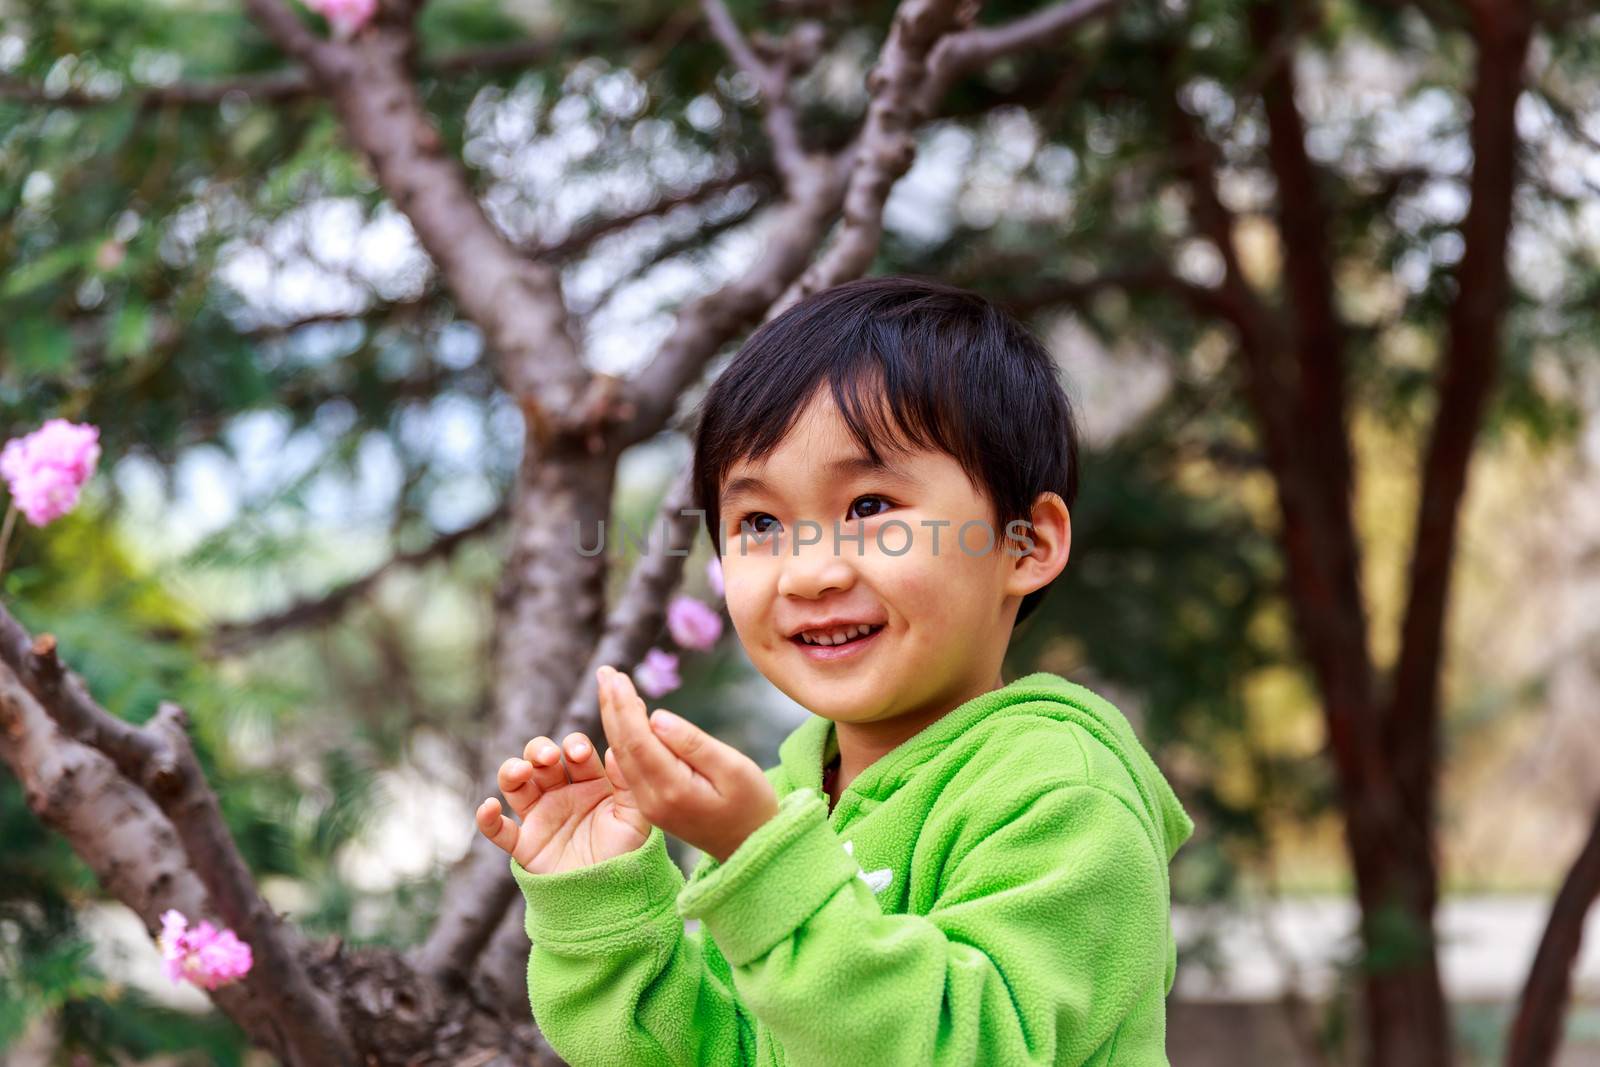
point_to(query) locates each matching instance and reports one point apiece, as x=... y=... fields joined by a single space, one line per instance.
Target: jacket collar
x=804 y=753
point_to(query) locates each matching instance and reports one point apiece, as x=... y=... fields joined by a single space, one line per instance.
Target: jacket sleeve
x=1050 y=925
x=614 y=978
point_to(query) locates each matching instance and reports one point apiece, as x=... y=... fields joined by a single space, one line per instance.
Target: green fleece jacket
x=993 y=891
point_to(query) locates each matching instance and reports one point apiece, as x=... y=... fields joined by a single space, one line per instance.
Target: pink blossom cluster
x=205 y=956
x=694 y=625
x=345 y=16
x=45 y=470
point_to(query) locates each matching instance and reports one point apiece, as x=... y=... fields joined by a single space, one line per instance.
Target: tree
x=577 y=425
x=1164 y=121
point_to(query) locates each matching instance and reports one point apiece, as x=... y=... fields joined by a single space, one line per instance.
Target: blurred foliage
x=152 y=289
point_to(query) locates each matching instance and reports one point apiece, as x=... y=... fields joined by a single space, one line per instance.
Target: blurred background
x=300 y=522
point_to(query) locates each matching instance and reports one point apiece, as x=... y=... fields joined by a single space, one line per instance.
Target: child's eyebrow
x=843 y=467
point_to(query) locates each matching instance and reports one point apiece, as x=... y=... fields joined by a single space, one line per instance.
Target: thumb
x=714 y=760
x=621 y=793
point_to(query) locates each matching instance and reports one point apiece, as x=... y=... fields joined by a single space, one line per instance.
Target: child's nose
x=810 y=570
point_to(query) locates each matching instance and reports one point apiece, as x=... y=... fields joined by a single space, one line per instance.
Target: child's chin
x=839 y=704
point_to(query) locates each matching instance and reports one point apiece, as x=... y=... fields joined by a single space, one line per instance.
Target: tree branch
x=304 y=1025
x=886 y=145
x=1467 y=377
x=232 y=637
x=1321 y=463
x=515 y=301
x=797 y=51
x=116 y=829
x=971 y=50
x=812 y=189
x=584 y=235
x=1536 y=1031
x=295 y=83
x=1206 y=302
x=633 y=623
x=1315 y=325
x=811 y=204
x=1258 y=329
x=271 y=87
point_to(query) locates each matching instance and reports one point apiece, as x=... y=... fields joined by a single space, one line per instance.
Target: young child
x=943 y=867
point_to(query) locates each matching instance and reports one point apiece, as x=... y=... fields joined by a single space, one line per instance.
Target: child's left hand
x=685 y=781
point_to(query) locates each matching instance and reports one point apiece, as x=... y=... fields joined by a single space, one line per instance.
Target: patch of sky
x=620 y=93
x=704 y=113
x=13 y=49
x=459 y=345
x=921 y=205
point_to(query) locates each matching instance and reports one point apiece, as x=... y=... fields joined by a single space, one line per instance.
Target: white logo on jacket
x=877 y=880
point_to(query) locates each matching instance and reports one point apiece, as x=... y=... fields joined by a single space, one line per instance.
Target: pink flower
x=204 y=956
x=345 y=16
x=714 y=575
x=692 y=623
x=45 y=469
x=658 y=673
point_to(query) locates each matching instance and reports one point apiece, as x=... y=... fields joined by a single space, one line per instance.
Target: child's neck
x=861 y=744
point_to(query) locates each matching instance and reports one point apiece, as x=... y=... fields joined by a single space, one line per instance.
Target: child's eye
x=872 y=496
x=752 y=519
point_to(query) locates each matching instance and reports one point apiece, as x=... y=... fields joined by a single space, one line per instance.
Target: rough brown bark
x=89 y=776
x=118 y=830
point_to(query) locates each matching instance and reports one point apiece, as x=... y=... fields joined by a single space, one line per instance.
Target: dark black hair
x=912 y=362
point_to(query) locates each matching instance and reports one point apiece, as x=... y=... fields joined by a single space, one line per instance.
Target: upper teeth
x=825 y=637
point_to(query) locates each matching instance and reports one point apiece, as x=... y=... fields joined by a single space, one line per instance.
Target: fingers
x=548 y=772
x=608 y=714
x=714 y=760
x=583 y=764
x=651 y=767
x=614 y=728
x=524 y=781
x=517 y=781
x=621 y=793
x=495 y=826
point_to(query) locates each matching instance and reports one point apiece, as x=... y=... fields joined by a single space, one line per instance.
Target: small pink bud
x=657 y=674
x=110 y=254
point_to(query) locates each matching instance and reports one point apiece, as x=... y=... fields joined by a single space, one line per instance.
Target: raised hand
x=687 y=782
x=571 y=816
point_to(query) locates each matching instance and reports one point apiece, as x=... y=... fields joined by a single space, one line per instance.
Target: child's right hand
x=565 y=824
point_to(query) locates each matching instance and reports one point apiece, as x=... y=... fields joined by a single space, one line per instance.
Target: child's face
x=947 y=613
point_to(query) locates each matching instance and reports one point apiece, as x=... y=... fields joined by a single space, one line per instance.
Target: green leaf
x=42 y=271
x=39 y=346
x=130 y=333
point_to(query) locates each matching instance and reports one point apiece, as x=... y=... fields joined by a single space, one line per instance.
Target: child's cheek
x=743 y=599
x=912 y=585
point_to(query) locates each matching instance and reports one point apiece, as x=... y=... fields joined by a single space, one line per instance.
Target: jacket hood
x=804 y=752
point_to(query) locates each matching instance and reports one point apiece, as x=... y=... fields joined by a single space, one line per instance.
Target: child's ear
x=1038 y=549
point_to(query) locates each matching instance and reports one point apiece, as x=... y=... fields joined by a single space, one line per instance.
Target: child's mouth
x=829 y=653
